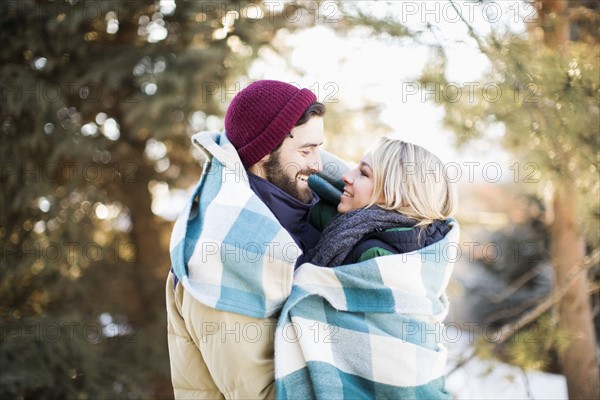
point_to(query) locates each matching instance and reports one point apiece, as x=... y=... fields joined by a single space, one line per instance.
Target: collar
x=291 y=212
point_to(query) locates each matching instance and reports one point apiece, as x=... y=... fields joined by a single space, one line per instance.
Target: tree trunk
x=554 y=22
x=579 y=361
x=150 y=235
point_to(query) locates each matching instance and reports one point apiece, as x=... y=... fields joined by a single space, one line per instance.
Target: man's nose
x=316 y=164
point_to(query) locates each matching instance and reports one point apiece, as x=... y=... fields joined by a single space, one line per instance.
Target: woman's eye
x=363 y=173
x=305 y=152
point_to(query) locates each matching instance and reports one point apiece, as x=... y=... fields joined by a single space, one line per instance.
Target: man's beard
x=276 y=173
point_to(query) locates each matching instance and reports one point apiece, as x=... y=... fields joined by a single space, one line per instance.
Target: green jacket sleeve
x=328 y=185
x=321 y=214
x=374 y=252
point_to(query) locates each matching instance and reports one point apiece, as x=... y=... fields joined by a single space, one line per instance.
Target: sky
x=356 y=68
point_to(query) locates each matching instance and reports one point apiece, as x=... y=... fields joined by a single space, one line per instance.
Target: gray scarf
x=346 y=230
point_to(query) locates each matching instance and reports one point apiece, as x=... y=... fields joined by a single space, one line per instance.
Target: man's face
x=298 y=157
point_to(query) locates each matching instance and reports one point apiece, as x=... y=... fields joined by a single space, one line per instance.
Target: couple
x=255 y=309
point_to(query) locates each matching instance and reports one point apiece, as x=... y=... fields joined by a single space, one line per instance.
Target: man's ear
x=258 y=168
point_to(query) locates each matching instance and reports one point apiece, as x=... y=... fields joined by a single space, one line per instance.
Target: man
x=235 y=246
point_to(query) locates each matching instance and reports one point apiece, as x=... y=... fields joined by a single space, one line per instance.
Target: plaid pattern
x=227 y=248
x=367 y=330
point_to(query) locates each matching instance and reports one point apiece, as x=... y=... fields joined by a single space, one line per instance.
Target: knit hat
x=261 y=115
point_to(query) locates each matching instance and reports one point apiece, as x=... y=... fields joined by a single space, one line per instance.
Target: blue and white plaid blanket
x=367 y=330
x=227 y=248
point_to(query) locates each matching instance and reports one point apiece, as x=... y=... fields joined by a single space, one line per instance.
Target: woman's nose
x=346 y=179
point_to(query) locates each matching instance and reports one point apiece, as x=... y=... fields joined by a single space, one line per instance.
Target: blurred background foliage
x=99 y=101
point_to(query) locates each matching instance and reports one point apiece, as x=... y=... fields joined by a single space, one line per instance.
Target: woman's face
x=359 y=187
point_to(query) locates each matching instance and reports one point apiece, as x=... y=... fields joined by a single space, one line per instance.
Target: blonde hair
x=412 y=181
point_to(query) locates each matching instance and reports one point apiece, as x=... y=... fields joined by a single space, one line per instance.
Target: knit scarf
x=346 y=230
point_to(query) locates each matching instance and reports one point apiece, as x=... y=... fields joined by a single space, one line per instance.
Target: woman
x=397 y=200
x=372 y=326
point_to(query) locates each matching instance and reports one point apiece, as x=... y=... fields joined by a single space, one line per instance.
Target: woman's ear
x=381 y=199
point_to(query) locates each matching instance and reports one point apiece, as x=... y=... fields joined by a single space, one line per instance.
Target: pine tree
x=546 y=95
x=543 y=89
x=99 y=99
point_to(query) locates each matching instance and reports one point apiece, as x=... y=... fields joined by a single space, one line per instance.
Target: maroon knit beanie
x=261 y=115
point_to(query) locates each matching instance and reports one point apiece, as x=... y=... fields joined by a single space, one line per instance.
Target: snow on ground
x=481 y=379
x=491 y=379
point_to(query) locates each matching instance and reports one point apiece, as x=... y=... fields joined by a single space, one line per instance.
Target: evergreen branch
x=472 y=33
x=510 y=329
x=514 y=286
x=542 y=111
x=511 y=312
